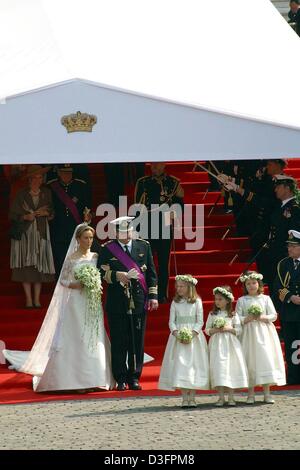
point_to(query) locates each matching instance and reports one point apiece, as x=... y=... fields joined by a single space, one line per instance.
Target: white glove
x=223 y=178
x=231 y=186
x=132 y=274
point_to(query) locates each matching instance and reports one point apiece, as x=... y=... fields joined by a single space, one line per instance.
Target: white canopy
x=167 y=80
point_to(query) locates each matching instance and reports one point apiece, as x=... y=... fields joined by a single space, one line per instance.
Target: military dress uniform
x=286 y=284
x=126 y=336
x=283 y=219
x=262 y=202
x=244 y=173
x=160 y=190
x=63 y=225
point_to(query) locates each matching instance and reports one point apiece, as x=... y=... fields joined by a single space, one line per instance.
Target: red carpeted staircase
x=19 y=327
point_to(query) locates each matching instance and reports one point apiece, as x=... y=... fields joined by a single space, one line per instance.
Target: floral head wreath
x=186 y=278
x=224 y=292
x=256 y=276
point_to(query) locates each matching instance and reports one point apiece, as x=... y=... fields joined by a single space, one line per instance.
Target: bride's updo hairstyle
x=83 y=228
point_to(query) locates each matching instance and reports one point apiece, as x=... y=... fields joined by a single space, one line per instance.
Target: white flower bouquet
x=255 y=310
x=89 y=276
x=185 y=335
x=219 y=322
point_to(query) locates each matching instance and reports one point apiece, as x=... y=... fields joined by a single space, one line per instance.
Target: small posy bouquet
x=219 y=322
x=185 y=335
x=89 y=276
x=255 y=310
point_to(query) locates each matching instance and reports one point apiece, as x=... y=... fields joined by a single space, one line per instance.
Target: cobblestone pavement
x=152 y=424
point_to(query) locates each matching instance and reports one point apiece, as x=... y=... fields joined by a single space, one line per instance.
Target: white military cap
x=294 y=237
x=282 y=179
x=123 y=223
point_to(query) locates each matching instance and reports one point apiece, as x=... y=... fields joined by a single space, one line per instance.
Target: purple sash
x=65 y=198
x=128 y=262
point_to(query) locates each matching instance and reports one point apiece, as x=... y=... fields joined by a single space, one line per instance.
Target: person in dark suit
x=126 y=264
x=287 y=288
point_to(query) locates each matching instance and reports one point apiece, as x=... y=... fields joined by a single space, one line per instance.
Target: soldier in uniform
x=162 y=190
x=287 y=289
x=126 y=264
x=72 y=203
x=239 y=182
x=284 y=218
x=259 y=196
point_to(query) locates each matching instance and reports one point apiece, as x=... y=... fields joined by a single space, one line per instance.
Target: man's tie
x=127 y=250
x=296 y=263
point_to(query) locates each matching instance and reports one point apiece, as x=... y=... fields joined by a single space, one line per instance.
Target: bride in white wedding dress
x=62 y=357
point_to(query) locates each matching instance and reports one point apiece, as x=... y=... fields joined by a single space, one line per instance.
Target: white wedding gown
x=71 y=363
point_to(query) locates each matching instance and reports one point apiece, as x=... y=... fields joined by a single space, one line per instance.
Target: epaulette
x=52 y=181
x=106 y=243
x=142 y=240
x=81 y=181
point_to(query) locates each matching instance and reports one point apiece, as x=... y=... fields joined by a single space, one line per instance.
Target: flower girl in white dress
x=226 y=359
x=259 y=339
x=185 y=362
x=72 y=350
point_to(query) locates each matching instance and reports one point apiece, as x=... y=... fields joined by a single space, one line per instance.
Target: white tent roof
x=236 y=62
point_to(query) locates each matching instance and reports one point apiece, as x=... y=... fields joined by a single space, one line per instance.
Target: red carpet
x=19 y=327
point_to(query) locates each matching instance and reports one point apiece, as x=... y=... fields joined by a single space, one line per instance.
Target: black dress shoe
x=121 y=387
x=134 y=385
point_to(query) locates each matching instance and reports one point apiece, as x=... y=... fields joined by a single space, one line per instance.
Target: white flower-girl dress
x=185 y=365
x=226 y=359
x=260 y=342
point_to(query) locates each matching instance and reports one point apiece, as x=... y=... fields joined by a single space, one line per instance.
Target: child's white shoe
x=231 y=402
x=185 y=402
x=250 y=400
x=220 y=402
x=192 y=402
x=268 y=399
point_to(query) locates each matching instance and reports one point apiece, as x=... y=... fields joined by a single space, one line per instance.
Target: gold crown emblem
x=79 y=122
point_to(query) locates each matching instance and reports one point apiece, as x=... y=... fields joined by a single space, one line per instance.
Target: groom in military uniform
x=127 y=267
x=287 y=287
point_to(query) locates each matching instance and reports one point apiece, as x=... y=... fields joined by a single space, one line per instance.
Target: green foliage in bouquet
x=185 y=335
x=219 y=322
x=255 y=310
x=89 y=276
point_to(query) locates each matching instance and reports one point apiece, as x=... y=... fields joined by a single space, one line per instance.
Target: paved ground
x=152 y=423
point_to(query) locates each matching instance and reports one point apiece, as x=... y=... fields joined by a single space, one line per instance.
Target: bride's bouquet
x=185 y=335
x=219 y=322
x=255 y=310
x=89 y=276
